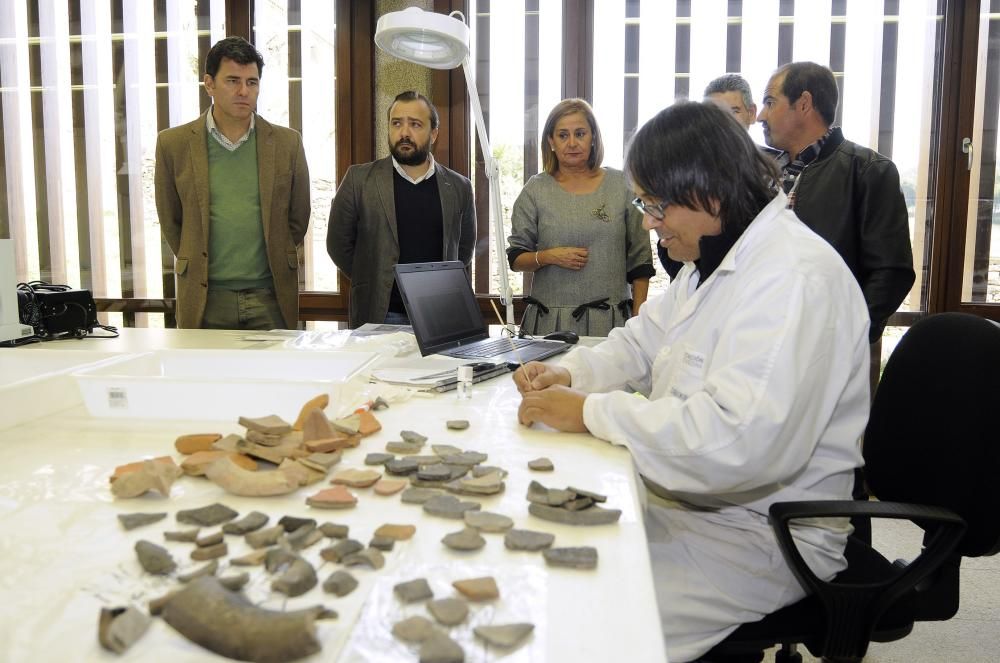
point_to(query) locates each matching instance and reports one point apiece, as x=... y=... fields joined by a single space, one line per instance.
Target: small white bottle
x=464 y=387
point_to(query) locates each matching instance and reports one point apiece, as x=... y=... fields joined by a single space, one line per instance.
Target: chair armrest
x=854 y=608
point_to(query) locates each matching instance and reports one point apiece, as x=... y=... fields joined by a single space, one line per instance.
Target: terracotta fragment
x=414 y=629
x=230 y=442
x=119 y=628
x=524 y=539
x=236 y=480
x=369 y=557
x=255 y=558
x=439 y=648
x=263 y=438
x=478 y=589
x=486 y=521
x=506 y=635
x=297 y=579
x=583 y=557
x=210 y=552
x=249 y=523
x=457 y=424
x=212 y=539
x=397 y=532
x=337 y=497
x=196 y=464
x=541 y=465
x=368 y=424
x=448 y=611
x=338 y=551
x=413 y=590
x=340 y=583
x=185 y=536
x=356 y=478
x=350 y=424
x=316 y=426
x=592 y=516
x=334 y=531
x=189 y=444
x=326 y=460
x=386 y=486
x=132 y=520
x=271 y=424
x=154 y=559
x=238 y=629
x=467 y=539
x=274 y=454
x=332 y=444
x=264 y=537
x=448 y=506
x=318 y=403
x=156 y=474
x=128 y=468
x=204 y=570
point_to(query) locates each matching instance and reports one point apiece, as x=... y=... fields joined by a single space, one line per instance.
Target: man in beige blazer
x=232 y=195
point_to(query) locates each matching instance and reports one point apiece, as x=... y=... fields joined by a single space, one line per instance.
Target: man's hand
x=535 y=375
x=557 y=406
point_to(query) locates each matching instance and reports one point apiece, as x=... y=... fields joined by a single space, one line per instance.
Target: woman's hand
x=567 y=257
x=557 y=406
x=535 y=375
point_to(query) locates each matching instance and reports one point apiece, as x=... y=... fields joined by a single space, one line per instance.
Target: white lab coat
x=756 y=391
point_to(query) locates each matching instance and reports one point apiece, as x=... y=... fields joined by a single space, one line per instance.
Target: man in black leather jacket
x=848 y=194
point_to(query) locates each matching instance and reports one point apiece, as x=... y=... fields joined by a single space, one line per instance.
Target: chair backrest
x=931 y=438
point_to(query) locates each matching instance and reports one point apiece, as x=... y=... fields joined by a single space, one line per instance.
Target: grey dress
x=604 y=222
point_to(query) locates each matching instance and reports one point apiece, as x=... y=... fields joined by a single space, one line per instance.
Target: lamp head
x=433 y=40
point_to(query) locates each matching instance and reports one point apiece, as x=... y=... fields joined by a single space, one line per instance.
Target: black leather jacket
x=850 y=196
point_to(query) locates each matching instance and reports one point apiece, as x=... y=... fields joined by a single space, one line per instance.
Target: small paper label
x=117 y=398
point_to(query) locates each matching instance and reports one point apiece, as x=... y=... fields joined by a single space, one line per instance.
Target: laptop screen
x=440 y=304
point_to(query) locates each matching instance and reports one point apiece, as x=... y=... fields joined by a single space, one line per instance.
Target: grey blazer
x=362 y=240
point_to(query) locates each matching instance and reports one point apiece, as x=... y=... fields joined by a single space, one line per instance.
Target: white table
x=65 y=555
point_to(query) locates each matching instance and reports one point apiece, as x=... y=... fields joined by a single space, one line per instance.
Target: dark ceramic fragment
x=278 y=559
x=119 y=628
x=292 y=523
x=401 y=466
x=185 y=536
x=235 y=583
x=584 y=557
x=445 y=449
x=338 y=551
x=486 y=521
x=205 y=570
x=414 y=629
x=579 y=504
x=264 y=537
x=539 y=494
x=154 y=559
x=383 y=543
x=210 y=552
x=251 y=522
x=303 y=537
x=505 y=635
x=378 y=458
x=370 y=557
x=334 y=531
x=466 y=539
x=133 y=520
x=480 y=470
x=411 y=436
x=403 y=448
x=592 y=516
x=468 y=458
x=206 y=516
x=213 y=539
x=597 y=497
x=457 y=424
x=439 y=648
x=541 y=465
x=449 y=611
x=524 y=539
x=448 y=506
x=340 y=583
x=297 y=579
x=418 y=495
x=434 y=473
x=413 y=590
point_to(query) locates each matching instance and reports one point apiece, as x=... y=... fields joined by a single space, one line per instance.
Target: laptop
x=446 y=320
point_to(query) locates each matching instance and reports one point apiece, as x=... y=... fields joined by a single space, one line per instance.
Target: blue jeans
x=255 y=308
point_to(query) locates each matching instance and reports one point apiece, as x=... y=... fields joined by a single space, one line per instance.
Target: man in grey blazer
x=232 y=196
x=404 y=208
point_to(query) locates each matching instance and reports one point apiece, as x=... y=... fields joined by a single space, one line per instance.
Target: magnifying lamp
x=442 y=42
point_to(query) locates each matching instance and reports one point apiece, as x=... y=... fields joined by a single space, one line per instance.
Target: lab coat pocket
x=293 y=259
x=686 y=374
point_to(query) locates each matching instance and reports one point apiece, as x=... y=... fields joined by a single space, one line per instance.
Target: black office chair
x=932 y=457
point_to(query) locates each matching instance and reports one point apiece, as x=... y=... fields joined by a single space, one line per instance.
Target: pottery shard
x=316 y=426
x=255 y=558
x=411 y=436
x=333 y=444
x=135 y=479
x=263 y=438
x=401 y=466
x=478 y=589
x=424 y=460
x=356 y=478
x=338 y=551
x=486 y=521
x=418 y=495
x=383 y=543
x=119 y=628
x=505 y=635
x=189 y=444
x=413 y=629
x=439 y=648
x=249 y=523
x=370 y=557
x=488 y=484
x=583 y=557
x=483 y=470
x=448 y=506
x=230 y=442
x=445 y=449
x=368 y=424
x=298 y=579
x=133 y=520
x=210 y=552
x=434 y=473
x=468 y=458
x=318 y=403
x=274 y=454
x=212 y=539
x=379 y=404
x=350 y=424
x=378 y=458
x=204 y=570
x=324 y=460
x=235 y=583
x=207 y=516
x=264 y=537
x=301 y=473
x=184 y=536
x=303 y=537
x=270 y=425
x=340 y=583
x=466 y=539
x=539 y=494
x=386 y=486
x=541 y=465
x=449 y=611
x=397 y=532
x=579 y=504
x=278 y=559
x=337 y=497
x=457 y=424
x=403 y=448
x=334 y=531
x=413 y=590
x=597 y=497
x=592 y=516
x=292 y=523
x=524 y=539
x=195 y=464
x=154 y=559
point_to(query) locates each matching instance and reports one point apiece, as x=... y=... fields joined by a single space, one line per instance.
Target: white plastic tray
x=216 y=385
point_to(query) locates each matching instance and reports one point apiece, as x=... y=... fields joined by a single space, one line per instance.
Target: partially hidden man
x=404 y=208
x=232 y=195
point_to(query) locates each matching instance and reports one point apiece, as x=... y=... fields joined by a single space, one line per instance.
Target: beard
x=417 y=156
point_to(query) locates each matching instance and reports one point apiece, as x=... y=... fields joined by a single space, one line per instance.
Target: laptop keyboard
x=490 y=348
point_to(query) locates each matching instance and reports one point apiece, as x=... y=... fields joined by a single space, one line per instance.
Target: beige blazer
x=182 y=198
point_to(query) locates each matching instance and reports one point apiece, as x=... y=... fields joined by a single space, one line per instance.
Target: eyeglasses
x=655 y=211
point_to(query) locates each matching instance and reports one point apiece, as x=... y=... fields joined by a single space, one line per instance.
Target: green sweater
x=237 y=252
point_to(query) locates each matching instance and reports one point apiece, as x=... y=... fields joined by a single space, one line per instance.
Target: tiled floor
x=972 y=636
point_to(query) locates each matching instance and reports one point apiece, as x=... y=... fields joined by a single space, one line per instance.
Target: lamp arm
x=493 y=175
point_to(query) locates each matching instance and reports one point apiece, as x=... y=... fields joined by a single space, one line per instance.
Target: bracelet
x=538 y=265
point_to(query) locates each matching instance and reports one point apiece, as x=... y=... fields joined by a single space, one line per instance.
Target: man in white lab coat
x=752 y=372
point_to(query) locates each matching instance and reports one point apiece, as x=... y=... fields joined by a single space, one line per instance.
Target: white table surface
x=65 y=555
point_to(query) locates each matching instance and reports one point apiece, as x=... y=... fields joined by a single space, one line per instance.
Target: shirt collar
x=213 y=130
x=426 y=176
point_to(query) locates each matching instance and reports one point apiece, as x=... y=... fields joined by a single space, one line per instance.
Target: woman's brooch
x=601 y=213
